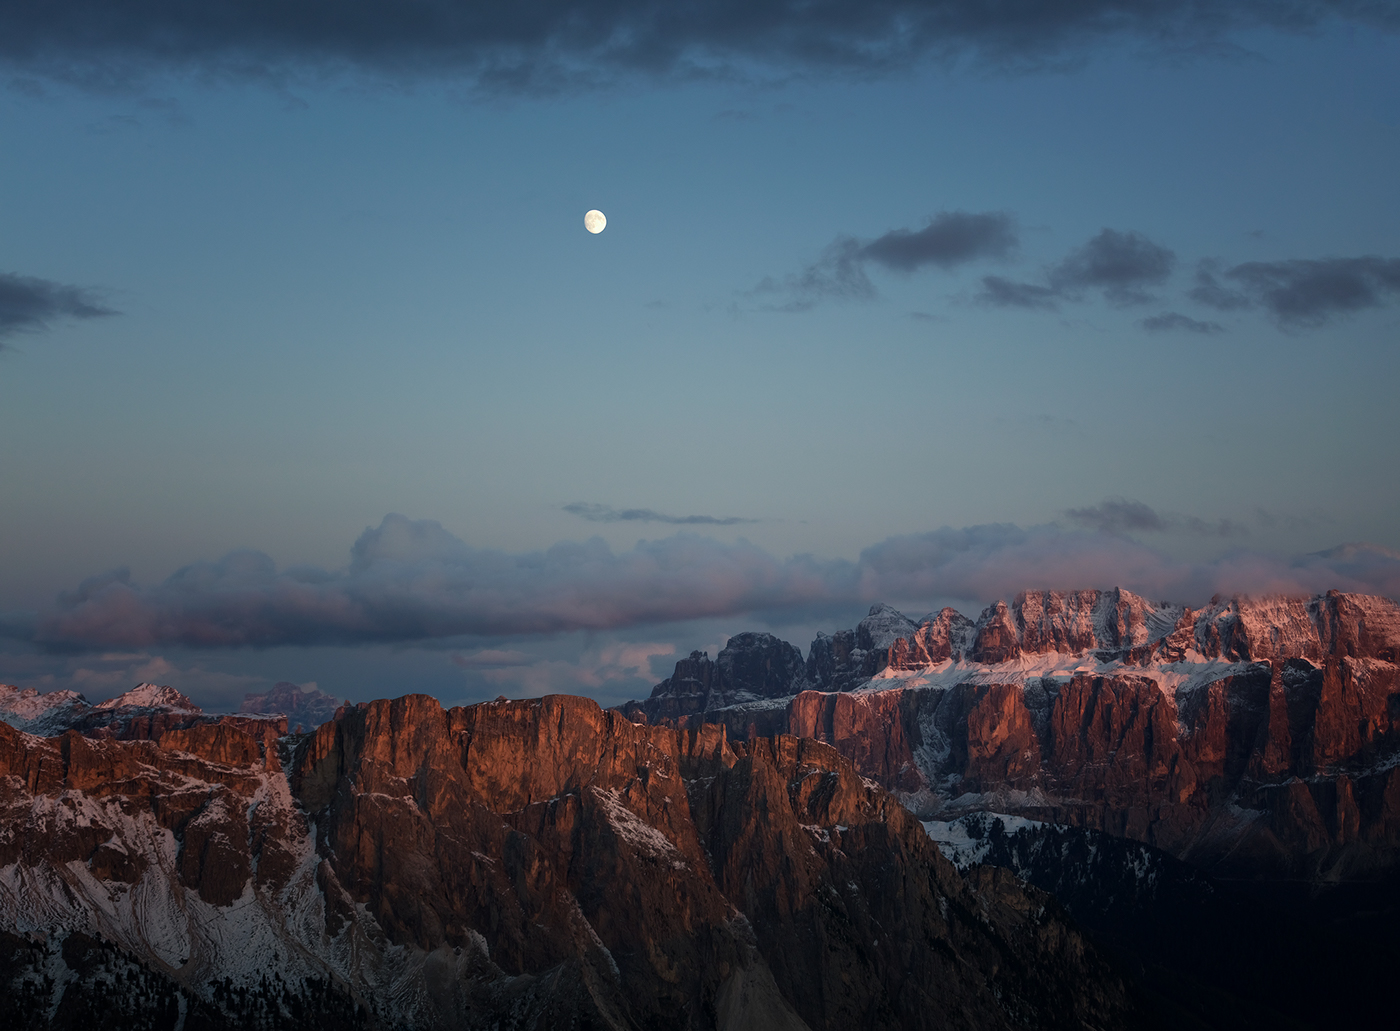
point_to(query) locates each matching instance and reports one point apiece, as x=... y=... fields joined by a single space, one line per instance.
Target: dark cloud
x=838 y=274
x=607 y=514
x=1215 y=294
x=553 y=43
x=1170 y=321
x=1122 y=265
x=1004 y=293
x=413 y=581
x=1304 y=292
x=27 y=303
x=950 y=238
x=1120 y=516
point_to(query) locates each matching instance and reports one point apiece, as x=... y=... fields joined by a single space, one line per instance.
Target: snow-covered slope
x=43 y=714
x=49 y=714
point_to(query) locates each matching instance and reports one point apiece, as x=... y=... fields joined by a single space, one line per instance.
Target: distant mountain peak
x=151 y=696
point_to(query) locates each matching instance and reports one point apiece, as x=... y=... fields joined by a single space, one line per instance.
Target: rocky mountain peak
x=308 y=707
x=28 y=710
x=1076 y=622
x=151 y=696
x=949 y=635
x=757 y=665
x=882 y=627
x=750 y=667
x=998 y=636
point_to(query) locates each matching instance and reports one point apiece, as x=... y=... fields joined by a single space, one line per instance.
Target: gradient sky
x=1103 y=296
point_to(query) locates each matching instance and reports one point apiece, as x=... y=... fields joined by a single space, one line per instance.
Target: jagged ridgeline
x=533 y=864
x=1254 y=737
x=740 y=850
x=1213 y=794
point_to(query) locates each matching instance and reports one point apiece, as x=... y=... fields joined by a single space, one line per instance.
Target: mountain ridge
x=1260 y=733
x=519 y=864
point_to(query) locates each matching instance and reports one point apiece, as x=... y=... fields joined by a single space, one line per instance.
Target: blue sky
x=340 y=292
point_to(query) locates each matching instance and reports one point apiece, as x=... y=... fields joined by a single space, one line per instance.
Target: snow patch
x=631 y=828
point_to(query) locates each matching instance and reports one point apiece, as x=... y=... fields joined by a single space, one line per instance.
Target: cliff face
x=521 y=864
x=1261 y=736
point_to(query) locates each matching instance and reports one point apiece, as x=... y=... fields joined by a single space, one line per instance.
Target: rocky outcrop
x=750 y=667
x=942 y=638
x=868 y=729
x=520 y=864
x=850 y=657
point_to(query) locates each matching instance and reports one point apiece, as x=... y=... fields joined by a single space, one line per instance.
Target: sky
x=309 y=371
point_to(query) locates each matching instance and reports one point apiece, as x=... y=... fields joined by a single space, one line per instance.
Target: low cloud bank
x=413 y=581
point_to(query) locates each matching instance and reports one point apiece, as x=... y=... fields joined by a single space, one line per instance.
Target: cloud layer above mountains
x=413 y=581
x=543 y=45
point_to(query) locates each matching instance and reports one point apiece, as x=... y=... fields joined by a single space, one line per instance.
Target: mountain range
x=1252 y=737
x=515 y=864
x=1081 y=809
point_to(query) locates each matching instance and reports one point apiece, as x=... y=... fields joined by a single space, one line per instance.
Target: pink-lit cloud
x=414 y=581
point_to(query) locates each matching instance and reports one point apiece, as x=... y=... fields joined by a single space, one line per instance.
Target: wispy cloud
x=947 y=240
x=491 y=658
x=1123 y=267
x=1305 y=292
x=1120 y=265
x=411 y=580
x=28 y=304
x=608 y=514
x=1000 y=292
x=1121 y=516
x=618 y=668
x=1118 y=515
x=1171 y=321
x=950 y=238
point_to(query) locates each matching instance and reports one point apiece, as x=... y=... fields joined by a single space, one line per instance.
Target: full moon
x=595 y=221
